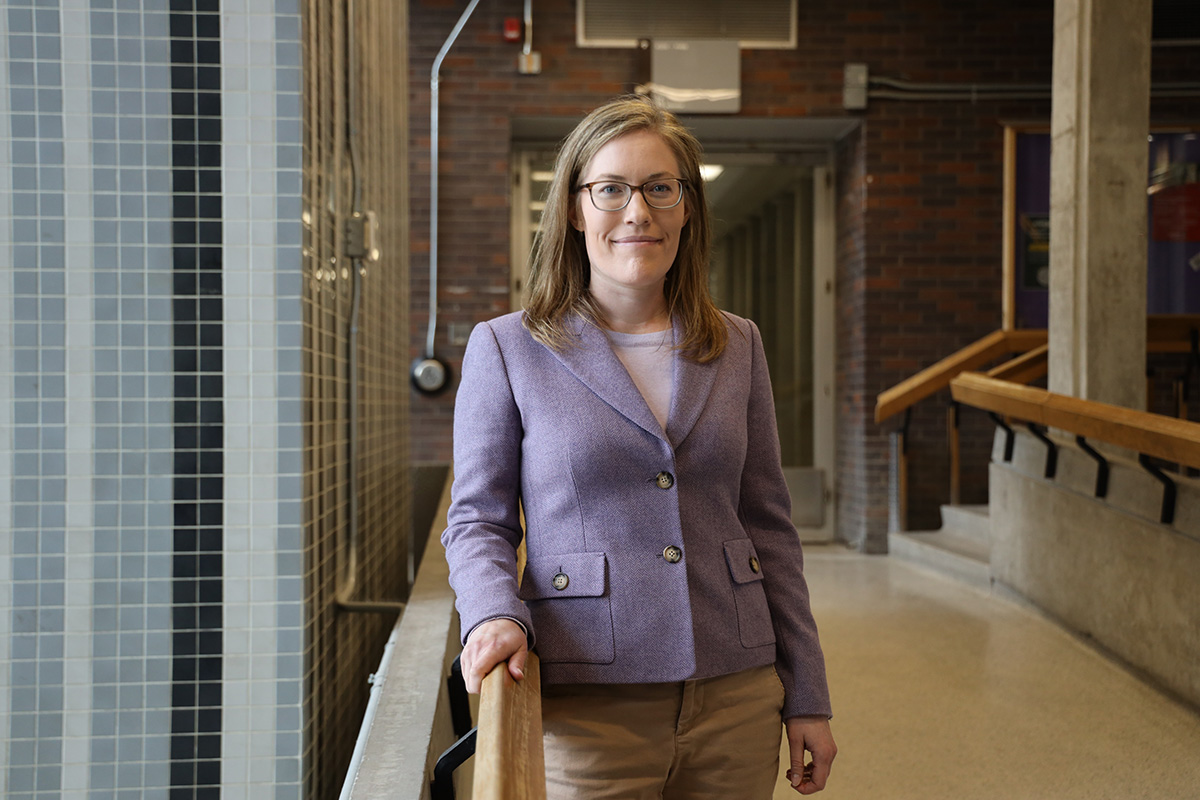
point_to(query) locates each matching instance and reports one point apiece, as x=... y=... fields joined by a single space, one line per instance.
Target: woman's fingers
x=810 y=734
x=516 y=663
x=489 y=644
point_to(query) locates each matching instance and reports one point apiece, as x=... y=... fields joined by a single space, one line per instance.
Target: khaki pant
x=715 y=738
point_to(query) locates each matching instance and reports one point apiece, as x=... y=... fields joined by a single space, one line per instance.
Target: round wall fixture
x=430 y=376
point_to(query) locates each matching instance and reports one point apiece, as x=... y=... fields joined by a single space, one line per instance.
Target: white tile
x=262 y=564
x=263 y=385
x=76 y=731
x=79 y=515
x=76 y=776
x=264 y=514
x=237 y=231
x=262 y=770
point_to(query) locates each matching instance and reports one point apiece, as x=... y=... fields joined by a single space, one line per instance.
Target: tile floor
x=941 y=691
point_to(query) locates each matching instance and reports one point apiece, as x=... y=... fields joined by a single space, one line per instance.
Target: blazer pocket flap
x=565 y=575
x=743 y=561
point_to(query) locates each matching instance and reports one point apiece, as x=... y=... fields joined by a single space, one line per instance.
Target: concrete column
x=1098 y=166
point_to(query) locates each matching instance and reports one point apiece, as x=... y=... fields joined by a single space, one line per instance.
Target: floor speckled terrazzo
x=943 y=692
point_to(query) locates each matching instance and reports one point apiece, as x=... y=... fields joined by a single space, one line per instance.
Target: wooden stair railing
x=509 y=761
x=937 y=377
x=1151 y=436
x=1165 y=333
x=1025 y=368
x=931 y=380
x=1148 y=434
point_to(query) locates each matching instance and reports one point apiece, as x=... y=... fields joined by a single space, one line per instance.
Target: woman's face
x=631 y=250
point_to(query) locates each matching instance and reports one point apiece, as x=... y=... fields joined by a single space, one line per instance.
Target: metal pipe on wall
x=429 y=374
x=528 y=49
x=348 y=577
x=896 y=89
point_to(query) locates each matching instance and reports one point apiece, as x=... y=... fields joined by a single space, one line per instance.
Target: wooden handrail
x=509 y=761
x=1165 y=333
x=937 y=377
x=1150 y=434
x=1025 y=368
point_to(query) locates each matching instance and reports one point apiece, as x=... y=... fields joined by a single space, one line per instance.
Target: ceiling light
x=710 y=172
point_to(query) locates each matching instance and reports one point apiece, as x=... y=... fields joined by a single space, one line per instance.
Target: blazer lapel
x=693 y=384
x=595 y=364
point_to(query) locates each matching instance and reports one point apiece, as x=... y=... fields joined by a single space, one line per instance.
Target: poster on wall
x=1035 y=251
x=1175 y=213
x=1173 y=227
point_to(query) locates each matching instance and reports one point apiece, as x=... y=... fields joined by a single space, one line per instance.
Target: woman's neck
x=641 y=313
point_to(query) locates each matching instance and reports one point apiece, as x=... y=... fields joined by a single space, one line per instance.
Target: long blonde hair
x=559 y=268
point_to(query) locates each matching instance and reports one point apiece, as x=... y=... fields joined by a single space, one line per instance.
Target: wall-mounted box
x=697 y=77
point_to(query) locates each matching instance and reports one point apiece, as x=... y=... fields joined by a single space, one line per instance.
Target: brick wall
x=919 y=197
x=854 y=511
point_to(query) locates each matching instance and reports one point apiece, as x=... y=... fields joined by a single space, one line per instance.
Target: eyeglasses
x=614 y=195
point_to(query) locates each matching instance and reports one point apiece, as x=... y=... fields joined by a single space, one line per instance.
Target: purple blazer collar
x=595 y=364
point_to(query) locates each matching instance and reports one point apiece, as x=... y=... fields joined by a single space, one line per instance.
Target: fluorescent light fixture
x=710 y=172
x=537 y=205
x=542 y=176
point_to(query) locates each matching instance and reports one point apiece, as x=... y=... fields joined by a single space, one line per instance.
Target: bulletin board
x=1173 y=225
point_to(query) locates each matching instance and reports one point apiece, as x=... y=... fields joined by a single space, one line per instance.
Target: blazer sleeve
x=767 y=515
x=484 y=524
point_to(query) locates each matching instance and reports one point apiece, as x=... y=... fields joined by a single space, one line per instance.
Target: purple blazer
x=650 y=559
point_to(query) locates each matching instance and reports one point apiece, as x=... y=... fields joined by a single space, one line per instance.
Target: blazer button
x=560 y=581
x=672 y=554
x=754 y=565
x=665 y=480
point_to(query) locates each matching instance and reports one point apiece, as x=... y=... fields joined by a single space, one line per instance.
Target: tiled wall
x=342 y=648
x=261 y=748
x=156 y=590
x=88 y=617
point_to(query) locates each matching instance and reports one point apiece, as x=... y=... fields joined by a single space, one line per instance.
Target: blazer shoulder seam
x=491 y=329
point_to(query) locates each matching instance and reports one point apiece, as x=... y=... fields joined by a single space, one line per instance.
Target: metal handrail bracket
x=1051 y=450
x=1167 y=515
x=1009 y=435
x=442 y=786
x=1102 y=467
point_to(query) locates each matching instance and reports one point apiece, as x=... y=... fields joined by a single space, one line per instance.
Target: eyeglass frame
x=641 y=188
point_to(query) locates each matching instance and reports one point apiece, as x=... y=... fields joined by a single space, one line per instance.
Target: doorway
x=772 y=262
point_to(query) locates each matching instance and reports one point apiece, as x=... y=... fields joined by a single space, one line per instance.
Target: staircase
x=960 y=549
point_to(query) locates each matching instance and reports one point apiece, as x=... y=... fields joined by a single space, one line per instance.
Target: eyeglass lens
x=613 y=196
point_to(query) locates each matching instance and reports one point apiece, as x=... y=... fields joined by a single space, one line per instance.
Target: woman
x=633 y=424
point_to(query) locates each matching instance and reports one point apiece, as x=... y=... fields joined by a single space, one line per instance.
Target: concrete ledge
x=1106 y=568
x=411 y=725
x=1130 y=487
x=971 y=521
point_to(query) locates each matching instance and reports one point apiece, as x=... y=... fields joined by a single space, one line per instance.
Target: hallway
x=943 y=692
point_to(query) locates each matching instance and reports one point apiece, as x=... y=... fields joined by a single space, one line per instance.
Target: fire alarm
x=512 y=29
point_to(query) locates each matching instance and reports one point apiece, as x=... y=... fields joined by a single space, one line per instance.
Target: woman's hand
x=490 y=643
x=811 y=734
